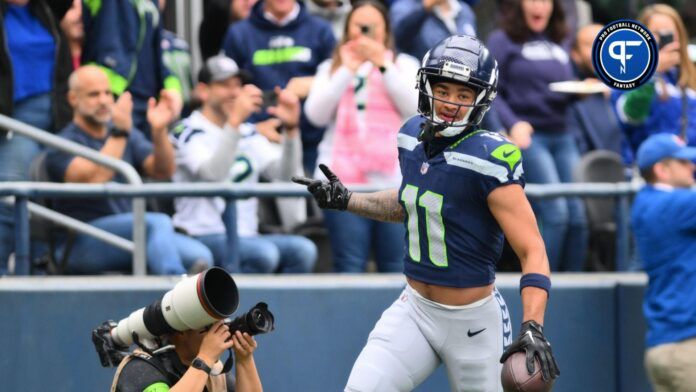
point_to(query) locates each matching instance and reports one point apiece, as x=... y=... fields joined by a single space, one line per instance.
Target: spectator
x=592 y=118
x=420 y=24
x=668 y=252
x=360 y=94
x=34 y=70
x=667 y=104
x=532 y=51
x=217 y=144
x=217 y=18
x=278 y=42
x=74 y=31
x=124 y=39
x=167 y=252
x=176 y=56
x=334 y=11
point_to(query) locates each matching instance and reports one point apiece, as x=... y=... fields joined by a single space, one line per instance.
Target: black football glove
x=332 y=194
x=533 y=342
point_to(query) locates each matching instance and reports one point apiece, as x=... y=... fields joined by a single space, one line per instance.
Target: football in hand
x=516 y=379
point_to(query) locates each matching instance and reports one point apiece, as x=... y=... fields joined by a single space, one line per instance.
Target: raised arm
x=332 y=194
x=382 y=206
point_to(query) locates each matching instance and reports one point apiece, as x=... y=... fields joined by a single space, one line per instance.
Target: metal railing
x=24 y=190
x=22 y=204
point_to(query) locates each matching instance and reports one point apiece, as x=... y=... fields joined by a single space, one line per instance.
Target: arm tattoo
x=382 y=206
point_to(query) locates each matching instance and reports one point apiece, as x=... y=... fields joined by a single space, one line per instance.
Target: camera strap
x=228 y=363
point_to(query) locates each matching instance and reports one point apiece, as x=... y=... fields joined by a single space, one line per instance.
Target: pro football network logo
x=624 y=54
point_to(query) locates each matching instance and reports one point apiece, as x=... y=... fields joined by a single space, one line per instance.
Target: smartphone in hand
x=367 y=30
x=664 y=38
x=269 y=98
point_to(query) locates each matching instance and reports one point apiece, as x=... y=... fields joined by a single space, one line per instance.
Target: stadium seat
x=601 y=166
x=44 y=231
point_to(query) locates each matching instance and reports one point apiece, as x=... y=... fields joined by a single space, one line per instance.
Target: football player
x=462 y=191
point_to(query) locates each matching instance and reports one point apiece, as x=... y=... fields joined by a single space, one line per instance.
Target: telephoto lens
x=193 y=303
x=257 y=320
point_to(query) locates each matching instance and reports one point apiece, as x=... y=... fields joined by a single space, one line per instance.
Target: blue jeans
x=352 y=237
x=168 y=252
x=264 y=254
x=16 y=155
x=551 y=159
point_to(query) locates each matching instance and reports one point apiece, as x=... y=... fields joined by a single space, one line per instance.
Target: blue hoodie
x=275 y=54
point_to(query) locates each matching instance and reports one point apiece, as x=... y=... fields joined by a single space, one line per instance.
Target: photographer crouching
x=181 y=338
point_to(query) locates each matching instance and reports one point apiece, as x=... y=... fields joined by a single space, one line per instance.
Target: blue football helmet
x=458 y=59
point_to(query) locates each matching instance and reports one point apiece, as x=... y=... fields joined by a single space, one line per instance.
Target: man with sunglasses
x=664 y=224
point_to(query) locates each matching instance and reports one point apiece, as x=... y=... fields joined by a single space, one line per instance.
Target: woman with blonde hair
x=363 y=94
x=667 y=104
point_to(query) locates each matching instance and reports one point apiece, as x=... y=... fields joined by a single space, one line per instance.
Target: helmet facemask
x=453 y=73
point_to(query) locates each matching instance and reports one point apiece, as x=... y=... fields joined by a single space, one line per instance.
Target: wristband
x=199 y=364
x=536 y=280
x=115 y=132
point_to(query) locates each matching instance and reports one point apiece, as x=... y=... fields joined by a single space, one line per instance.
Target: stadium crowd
x=288 y=84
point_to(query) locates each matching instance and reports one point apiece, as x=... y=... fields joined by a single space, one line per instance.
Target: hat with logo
x=219 y=68
x=663 y=145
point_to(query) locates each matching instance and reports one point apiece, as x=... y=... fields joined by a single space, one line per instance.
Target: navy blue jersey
x=452 y=237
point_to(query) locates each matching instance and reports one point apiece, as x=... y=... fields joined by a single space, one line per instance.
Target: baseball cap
x=663 y=145
x=219 y=68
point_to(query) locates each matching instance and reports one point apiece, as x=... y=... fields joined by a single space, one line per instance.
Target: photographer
x=186 y=364
x=181 y=337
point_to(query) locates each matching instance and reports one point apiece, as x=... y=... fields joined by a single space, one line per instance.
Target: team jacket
x=124 y=39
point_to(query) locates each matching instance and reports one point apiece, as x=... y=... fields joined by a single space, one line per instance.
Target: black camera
x=269 y=98
x=257 y=320
x=367 y=30
x=193 y=303
x=665 y=38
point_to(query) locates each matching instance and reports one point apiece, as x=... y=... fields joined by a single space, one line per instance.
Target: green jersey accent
x=455 y=144
x=508 y=153
x=282 y=55
x=409 y=196
x=432 y=203
x=157 y=387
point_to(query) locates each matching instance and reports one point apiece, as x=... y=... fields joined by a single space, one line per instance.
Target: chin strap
x=428 y=131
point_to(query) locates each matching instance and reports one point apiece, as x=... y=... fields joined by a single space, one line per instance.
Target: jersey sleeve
x=190 y=150
x=503 y=163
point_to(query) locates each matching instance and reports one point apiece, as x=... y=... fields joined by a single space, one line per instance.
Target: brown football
x=516 y=379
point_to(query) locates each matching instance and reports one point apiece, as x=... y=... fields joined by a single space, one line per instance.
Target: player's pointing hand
x=331 y=194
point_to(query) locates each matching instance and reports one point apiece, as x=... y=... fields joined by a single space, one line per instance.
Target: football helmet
x=457 y=59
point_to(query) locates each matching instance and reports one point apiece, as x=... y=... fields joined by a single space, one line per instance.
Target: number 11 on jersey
x=431 y=203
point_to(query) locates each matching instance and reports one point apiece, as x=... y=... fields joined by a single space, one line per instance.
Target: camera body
x=664 y=38
x=367 y=30
x=193 y=303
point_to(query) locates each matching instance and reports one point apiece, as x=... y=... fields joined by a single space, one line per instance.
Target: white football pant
x=414 y=335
